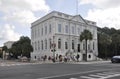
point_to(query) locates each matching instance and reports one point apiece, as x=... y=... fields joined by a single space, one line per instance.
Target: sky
x=16 y=16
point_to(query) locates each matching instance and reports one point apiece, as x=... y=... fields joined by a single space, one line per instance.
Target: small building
x=9 y=44
x=58 y=34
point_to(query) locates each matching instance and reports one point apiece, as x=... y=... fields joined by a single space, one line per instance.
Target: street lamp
x=53 y=50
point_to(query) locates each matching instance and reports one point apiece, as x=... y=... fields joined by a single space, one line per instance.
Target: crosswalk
x=102 y=75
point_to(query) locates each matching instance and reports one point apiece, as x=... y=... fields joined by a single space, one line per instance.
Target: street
x=61 y=71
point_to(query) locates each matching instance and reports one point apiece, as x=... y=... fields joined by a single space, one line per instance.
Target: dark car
x=115 y=59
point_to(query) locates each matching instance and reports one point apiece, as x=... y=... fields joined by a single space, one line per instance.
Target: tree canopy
x=108 y=42
x=22 y=47
x=86 y=35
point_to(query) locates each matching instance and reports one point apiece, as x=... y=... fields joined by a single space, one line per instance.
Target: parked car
x=115 y=59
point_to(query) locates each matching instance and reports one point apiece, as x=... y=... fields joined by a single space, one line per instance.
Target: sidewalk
x=90 y=62
x=13 y=63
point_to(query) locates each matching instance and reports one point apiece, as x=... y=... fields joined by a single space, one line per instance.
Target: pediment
x=79 y=19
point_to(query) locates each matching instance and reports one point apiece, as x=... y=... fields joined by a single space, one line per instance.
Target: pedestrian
x=60 y=58
x=65 y=59
x=77 y=57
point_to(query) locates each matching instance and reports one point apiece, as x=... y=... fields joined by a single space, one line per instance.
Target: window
x=72 y=44
x=35 y=46
x=88 y=46
x=59 y=27
x=78 y=47
x=59 y=43
x=93 y=45
x=78 y=31
x=35 y=33
x=50 y=43
x=42 y=44
x=45 y=29
x=32 y=34
x=73 y=30
x=42 y=31
x=38 y=32
x=45 y=44
x=38 y=45
x=66 y=29
x=89 y=56
x=84 y=46
x=50 y=28
x=66 y=45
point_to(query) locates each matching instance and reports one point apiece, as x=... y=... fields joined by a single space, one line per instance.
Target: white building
x=63 y=31
x=9 y=44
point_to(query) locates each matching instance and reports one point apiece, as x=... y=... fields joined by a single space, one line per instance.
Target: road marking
x=106 y=76
x=110 y=76
x=96 y=76
x=73 y=78
x=102 y=74
x=86 y=77
x=74 y=73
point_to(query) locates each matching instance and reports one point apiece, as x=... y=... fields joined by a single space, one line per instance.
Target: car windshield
x=116 y=56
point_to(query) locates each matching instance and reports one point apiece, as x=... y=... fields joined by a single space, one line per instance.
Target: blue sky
x=17 y=15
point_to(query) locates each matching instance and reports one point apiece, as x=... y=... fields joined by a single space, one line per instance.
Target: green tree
x=22 y=47
x=104 y=42
x=86 y=35
x=116 y=43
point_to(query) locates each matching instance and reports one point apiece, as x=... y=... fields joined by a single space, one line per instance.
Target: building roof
x=78 y=18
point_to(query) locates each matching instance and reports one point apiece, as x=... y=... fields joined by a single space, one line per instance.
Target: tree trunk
x=86 y=50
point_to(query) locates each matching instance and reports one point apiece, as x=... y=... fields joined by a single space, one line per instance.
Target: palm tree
x=86 y=35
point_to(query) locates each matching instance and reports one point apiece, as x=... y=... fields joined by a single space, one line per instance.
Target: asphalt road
x=62 y=71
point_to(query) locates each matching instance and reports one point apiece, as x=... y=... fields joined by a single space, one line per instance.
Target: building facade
x=9 y=44
x=58 y=34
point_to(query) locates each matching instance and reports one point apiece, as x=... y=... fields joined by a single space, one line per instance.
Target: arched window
x=78 y=47
x=89 y=56
x=42 y=44
x=59 y=43
x=72 y=44
x=50 y=43
x=66 y=45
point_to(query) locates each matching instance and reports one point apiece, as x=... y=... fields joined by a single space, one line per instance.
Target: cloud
x=22 y=17
x=37 y=5
x=22 y=11
x=105 y=12
x=19 y=5
x=102 y=3
x=8 y=33
x=108 y=17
